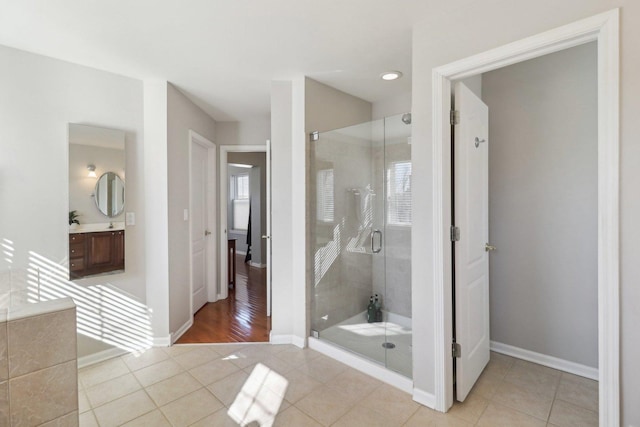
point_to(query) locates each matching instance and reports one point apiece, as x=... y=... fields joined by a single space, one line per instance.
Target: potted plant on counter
x=73 y=218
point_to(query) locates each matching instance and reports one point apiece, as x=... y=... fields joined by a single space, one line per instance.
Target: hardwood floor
x=242 y=317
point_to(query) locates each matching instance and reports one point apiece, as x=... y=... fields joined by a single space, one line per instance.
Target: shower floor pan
x=372 y=340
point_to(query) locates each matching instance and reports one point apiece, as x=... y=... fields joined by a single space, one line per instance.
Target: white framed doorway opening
x=224 y=194
x=604 y=29
x=202 y=203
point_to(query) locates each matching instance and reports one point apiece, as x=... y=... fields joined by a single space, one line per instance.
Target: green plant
x=73 y=217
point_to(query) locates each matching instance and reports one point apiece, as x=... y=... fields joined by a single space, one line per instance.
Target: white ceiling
x=224 y=54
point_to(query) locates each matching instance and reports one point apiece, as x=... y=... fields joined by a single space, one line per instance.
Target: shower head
x=406 y=118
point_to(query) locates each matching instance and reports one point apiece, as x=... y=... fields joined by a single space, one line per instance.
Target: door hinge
x=454 y=233
x=314 y=136
x=456 y=350
x=454 y=117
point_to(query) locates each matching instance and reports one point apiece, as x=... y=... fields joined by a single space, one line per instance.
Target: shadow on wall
x=104 y=313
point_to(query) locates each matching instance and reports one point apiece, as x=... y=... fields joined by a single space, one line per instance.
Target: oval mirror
x=109 y=194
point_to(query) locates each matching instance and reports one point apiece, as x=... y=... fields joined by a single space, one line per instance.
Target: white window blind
x=325 y=195
x=240 y=201
x=399 y=193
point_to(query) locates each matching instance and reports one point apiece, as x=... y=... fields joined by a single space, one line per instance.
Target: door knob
x=207 y=232
x=488 y=247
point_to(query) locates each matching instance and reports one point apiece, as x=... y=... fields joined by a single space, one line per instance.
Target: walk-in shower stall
x=359 y=208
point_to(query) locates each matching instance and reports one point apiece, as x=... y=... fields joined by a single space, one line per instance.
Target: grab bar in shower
x=373 y=235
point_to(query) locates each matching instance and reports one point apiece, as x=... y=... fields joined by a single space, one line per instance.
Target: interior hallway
x=242 y=317
x=235 y=384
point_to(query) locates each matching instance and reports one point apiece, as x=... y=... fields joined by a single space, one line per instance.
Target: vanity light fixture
x=391 y=75
x=92 y=171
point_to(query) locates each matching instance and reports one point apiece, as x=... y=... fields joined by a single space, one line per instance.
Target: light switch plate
x=130 y=218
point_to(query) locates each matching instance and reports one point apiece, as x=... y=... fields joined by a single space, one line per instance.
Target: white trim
x=257 y=265
x=222 y=197
x=424 y=398
x=241 y=252
x=280 y=339
x=363 y=365
x=545 y=360
x=184 y=328
x=603 y=28
x=101 y=356
x=299 y=342
x=162 y=341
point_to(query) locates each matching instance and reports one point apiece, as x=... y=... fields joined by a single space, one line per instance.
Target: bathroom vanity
x=95 y=252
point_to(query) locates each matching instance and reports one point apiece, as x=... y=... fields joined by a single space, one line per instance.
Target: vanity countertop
x=93 y=228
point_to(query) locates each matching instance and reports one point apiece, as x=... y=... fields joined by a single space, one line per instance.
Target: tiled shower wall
x=38 y=364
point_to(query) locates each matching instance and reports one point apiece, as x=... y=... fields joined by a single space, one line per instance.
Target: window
x=239 y=192
x=399 y=193
x=325 y=195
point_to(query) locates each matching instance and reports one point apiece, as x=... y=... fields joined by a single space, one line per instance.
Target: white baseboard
x=176 y=335
x=544 y=360
x=299 y=342
x=363 y=365
x=241 y=252
x=162 y=341
x=101 y=356
x=280 y=339
x=424 y=398
x=257 y=265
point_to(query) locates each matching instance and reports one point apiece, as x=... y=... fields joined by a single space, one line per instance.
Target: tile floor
x=260 y=384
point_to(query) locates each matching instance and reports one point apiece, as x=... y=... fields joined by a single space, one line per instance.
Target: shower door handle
x=373 y=238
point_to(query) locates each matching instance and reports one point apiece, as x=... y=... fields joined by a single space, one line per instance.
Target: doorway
x=604 y=29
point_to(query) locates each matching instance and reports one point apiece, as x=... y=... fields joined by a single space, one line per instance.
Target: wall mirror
x=96 y=200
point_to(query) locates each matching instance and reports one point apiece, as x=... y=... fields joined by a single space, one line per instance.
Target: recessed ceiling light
x=391 y=75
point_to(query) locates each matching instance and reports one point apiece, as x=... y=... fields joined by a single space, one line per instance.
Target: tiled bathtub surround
x=38 y=366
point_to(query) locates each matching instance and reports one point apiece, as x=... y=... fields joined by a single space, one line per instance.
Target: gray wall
x=182 y=115
x=543 y=204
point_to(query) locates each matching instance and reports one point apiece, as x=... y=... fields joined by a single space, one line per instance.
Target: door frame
x=196 y=138
x=603 y=28
x=224 y=191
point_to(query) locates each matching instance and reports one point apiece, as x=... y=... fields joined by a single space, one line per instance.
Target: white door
x=267 y=235
x=471 y=205
x=199 y=219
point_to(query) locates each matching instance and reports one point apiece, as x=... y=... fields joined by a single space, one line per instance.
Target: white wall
x=182 y=116
x=451 y=33
x=398 y=104
x=40 y=97
x=543 y=173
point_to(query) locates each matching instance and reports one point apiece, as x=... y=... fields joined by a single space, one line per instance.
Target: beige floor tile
x=191 y=408
x=524 y=400
x=425 y=417
x=296 y=357
x=323 y=368
x=500 y=416
x=146 y=358
x=471 y=409
x=152 y=419
x=398 y=404
x=213 y=371
x=172 y=388
x=487 y=384
x=111 y=390
x=248 y=356
x=539 y=379
x=178 y=349
x=101 y=372
x=124 y=409
x=274 y=363
x=217 y=419
x=196 y=357
x=83 y=402
x=499 y=364
x=325 y=405
x=87 y=419
x=355 y=383
x=300 y=384
x=361 y=416
x=565 y=414
x=228 y=388
x=580 y=391
x=293 y=417
x=157 y=372
x=226 y=349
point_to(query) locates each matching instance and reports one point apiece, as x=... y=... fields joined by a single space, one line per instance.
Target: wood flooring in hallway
x=242 y=317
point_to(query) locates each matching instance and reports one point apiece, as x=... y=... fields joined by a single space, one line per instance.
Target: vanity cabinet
x=95 y=253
